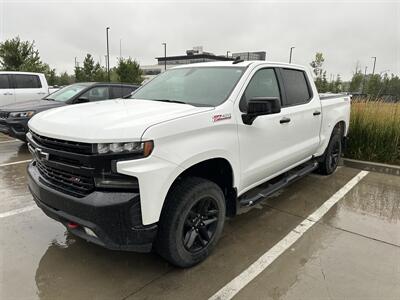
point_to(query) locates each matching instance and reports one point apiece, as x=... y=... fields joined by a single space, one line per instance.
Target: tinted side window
x=97 y=93
x=27 y=81
x=263 y=84
x=296 y=87
x=121 y=91
x=4 y=83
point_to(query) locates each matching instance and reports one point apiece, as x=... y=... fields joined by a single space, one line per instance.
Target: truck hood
x=36 y=105
x=120 y=120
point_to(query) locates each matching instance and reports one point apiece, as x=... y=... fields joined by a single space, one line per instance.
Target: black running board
x=267 y=189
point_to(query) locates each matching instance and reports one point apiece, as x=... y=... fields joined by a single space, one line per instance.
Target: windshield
x=199 y=86
x=66 y=93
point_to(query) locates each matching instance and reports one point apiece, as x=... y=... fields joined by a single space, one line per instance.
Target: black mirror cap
x=260 y=106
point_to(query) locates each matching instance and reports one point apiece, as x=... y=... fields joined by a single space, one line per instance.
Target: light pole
x=365 y=76
x=108 y=56
x=165 y=56
x=290 y=56
x=373 y=68
x=120 y=48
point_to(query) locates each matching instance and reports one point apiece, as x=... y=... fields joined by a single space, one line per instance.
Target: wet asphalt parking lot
x=285 y=248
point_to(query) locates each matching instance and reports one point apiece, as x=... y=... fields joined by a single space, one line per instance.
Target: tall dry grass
x=374 y=133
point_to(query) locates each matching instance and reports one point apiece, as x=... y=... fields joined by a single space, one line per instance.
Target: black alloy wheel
x=200 y=224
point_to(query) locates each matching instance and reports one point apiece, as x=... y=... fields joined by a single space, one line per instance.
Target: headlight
x=22 y=114
x=143 y=148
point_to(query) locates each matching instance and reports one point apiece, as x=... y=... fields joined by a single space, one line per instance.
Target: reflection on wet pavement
x=330 y=264
x=13 y=151
x=371 y=209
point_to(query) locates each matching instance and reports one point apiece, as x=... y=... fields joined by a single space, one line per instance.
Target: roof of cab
x=20 y=72
x=241 y=64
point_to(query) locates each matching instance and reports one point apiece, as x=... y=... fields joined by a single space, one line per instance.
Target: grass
x=374 y=133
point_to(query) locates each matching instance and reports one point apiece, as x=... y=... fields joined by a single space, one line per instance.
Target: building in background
x=257 y=55
x=196 y=55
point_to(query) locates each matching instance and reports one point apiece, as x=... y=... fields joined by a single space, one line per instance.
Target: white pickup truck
x=22 y=86
x=165 y=167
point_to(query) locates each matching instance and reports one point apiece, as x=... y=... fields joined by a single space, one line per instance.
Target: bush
x=374 y=133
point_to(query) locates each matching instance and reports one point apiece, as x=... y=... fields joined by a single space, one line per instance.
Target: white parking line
x=239 y=282
x=9 y=141
x=17 y=211
x=15 y=163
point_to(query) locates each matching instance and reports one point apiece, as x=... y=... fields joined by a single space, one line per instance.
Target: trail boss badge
x=217 y=118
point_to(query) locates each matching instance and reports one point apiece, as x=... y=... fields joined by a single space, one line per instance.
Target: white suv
x=21 y=86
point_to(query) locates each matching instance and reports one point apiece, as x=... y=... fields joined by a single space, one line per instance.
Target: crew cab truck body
x=21 y=86
x=163 y=169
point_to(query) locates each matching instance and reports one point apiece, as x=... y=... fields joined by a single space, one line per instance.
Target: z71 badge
x=217 y=118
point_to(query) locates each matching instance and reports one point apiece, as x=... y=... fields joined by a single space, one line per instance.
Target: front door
x=263 y=144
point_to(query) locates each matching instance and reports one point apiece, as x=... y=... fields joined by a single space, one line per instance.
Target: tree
x=51 y=77
x=356 y=81
x=65 y=79
x=317 y=63
x=323 y=84
x=337 y=85
x=374 y=85
x=17 y=55
x=88 y=67
x=79 y=74
x=99 y=73
x=128 y=70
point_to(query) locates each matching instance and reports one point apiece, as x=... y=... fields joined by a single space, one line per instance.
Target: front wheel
x=191 y=222
x=330 y=160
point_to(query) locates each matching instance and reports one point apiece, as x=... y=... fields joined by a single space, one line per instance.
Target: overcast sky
x=346 y=32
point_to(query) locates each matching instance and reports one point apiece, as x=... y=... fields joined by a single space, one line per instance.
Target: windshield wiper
x=171 y=101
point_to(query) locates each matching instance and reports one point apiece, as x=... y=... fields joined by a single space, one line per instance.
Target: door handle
x=316 y=113
x=284 y=120
x=8 y=94
x=41 y=93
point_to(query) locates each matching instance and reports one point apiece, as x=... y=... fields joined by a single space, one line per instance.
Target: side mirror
x=82 y=100
x=260 y=106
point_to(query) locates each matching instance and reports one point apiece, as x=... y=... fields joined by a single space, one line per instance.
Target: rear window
x=27 y=81
x=4 y=83
x=296 y=87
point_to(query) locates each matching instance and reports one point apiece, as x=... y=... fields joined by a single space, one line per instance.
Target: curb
x=371 y=166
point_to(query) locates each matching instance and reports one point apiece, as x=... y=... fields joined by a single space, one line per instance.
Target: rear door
x=27 y=87
x=120 y=91
x=7 y=95
x=302 y=109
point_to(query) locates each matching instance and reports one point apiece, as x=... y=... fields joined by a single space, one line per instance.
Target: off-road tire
x=177 y=214
x=330 y=160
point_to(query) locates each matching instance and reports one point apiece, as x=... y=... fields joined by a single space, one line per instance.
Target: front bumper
x=16 y=128
x=114 y=217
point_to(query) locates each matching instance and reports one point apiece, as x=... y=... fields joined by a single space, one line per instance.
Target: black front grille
x=70 y=183
x=68 y=146
x=4 y=114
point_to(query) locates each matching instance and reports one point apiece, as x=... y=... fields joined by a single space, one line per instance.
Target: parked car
x=196 y=144
x=22 y=86
x=14 y=117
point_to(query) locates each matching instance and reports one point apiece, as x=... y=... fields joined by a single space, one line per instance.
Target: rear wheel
x=191 y=222
x=330 y=160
